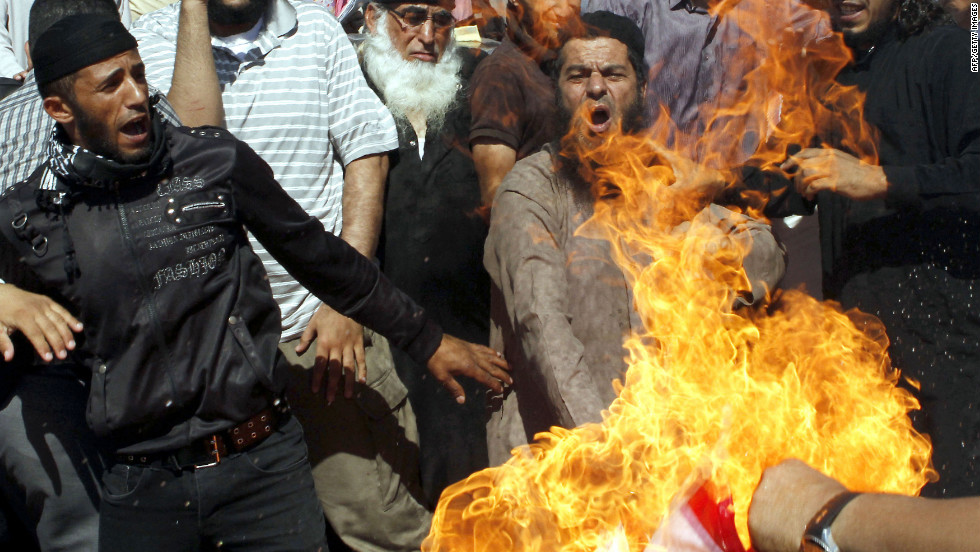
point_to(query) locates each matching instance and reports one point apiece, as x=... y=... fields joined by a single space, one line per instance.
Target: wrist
x=818 y=535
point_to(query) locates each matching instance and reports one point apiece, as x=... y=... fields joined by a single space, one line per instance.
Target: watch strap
x=817 y=536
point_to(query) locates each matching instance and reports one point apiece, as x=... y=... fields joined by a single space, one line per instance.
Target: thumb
x=455 y=389
x=304 y=341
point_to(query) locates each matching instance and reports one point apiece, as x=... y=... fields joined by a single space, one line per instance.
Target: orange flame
x=709 y=390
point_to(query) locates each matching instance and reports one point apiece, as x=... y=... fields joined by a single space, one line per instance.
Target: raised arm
x=195 y=93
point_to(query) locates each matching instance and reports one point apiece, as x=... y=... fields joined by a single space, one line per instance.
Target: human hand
x=339 y=351
x=819 y=169
x=22 y=75
x=46 y=324
x=788 y=496
x=456 y=357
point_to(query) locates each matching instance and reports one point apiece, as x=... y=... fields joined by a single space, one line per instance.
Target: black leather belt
x=210 y=450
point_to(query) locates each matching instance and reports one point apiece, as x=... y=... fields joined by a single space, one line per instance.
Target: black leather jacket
x=181 y=330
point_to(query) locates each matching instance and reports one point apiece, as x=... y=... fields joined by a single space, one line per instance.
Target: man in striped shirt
x=293 y=90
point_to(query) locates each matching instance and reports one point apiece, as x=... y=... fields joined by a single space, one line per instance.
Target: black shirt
x=913 y=258
x=432 y=248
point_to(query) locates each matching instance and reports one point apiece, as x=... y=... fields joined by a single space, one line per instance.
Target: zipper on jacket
x=144 y=289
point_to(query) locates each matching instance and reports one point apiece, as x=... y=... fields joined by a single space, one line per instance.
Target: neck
x=228 y=30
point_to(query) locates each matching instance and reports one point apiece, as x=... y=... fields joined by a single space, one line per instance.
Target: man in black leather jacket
x=138 y=228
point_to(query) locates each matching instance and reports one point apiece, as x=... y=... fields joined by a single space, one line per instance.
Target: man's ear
x=59 y=109
x=371 y=18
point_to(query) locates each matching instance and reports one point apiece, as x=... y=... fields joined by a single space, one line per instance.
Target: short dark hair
x=45 y=13
x=604 y=24
x=64 y=88
x=915 y=16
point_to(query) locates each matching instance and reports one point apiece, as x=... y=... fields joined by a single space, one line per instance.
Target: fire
x=711 y=393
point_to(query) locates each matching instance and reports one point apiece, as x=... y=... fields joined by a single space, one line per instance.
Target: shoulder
x=192 y=142
x=159 y=24
x=216 y=148
x=941 y=50
x=533 y=177
x=24 y=190
x=505 y=57
x=207 y=132
x=314 y=20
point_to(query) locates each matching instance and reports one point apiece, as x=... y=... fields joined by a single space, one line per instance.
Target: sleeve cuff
x=505 y=138
x=903 y=187
x=425 y=343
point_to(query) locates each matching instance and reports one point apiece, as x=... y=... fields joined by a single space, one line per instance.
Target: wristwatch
x=816 y=536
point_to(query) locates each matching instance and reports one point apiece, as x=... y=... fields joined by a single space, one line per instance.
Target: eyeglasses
x=415 y=17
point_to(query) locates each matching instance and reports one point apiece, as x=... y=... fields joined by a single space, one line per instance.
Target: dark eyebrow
x=614 y=67
x=602 y=69
x=110 y=77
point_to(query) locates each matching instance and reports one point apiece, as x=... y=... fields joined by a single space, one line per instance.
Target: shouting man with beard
x=433 y=234
x=137 y=230
x=292 y=88
x=561 y=308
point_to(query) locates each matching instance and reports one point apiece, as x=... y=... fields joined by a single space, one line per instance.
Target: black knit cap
x=396 y=2
x=76 y=42
x=623 y=29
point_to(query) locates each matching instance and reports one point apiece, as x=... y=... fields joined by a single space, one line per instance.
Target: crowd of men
x=236 y=245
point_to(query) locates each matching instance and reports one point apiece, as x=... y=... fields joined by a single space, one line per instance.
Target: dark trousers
x=260 y=499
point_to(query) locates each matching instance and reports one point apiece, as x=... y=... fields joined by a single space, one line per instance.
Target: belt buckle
x=214 y=451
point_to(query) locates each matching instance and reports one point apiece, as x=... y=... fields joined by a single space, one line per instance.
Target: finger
x=790 y=165
x=58 y=325
x=6 y=345
x=335 y=370
x=39 y=341
x=492 y=366
x=304 y=341
x=494 y=359
x=360 y=359
x=350 y=367
x=319 y=369
x=73 y=323
x=455 y=389
x=482 y=375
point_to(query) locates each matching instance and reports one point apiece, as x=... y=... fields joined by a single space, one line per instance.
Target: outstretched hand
x=339 y=352
x=456 y=357
x=46 y=324
x=819 y=169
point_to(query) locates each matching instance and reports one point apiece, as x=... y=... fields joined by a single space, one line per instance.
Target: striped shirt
x=300 y=101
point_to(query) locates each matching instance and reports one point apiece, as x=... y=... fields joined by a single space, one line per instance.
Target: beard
x=412 y=88
x=97 y=137
x=868 y=37
x=634 y=119
x=249 y=13
x=573 y=160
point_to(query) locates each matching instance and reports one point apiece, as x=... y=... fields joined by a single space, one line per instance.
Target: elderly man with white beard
x=433 y=234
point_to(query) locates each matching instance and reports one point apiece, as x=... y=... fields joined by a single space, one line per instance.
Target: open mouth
x=850 y=10
x=137 y=129
x=600 y=118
